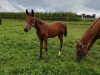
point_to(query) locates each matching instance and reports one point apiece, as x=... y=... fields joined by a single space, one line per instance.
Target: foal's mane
x=40 y=21
x=95 y=22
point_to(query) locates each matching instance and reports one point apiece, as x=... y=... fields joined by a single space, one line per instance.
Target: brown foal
x=45 y=31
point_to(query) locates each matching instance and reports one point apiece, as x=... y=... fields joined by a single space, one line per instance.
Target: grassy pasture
x=19 y=52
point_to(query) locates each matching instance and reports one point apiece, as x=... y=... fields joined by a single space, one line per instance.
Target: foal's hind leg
x=46 y=49
x=61 y=42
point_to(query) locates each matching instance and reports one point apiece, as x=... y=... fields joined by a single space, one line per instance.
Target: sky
x=77 y=6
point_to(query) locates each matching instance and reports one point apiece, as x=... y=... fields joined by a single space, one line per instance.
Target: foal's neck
x=38 y=21
x=39 y=24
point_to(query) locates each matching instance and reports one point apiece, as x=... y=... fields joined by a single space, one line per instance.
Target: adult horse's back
x=45 y=31
x=88 y=39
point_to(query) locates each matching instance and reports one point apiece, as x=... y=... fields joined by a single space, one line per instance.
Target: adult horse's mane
x=86 y=34
x=95 y=22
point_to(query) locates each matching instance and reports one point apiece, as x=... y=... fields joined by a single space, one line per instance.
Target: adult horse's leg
x=46 y=49
x=92 y=42
x=41 y=47
x=61 y=42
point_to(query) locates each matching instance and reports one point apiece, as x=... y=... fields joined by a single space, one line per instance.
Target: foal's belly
x=53 y=30
x=53 y=33
x=51 y=36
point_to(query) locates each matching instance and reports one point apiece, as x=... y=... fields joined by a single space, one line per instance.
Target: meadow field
x=19 y=52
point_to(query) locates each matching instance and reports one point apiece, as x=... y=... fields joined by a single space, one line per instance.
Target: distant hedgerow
x=48 y=16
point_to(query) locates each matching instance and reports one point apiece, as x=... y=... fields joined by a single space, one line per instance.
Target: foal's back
x=55 y=28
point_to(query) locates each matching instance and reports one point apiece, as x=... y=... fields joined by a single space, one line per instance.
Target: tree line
x=47 y=16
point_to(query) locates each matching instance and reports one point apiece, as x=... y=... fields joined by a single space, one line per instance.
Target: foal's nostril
x=25 y=29
x=78 y=60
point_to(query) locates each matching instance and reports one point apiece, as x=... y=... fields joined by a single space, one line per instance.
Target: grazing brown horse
x=88 y=39
x=45 y=31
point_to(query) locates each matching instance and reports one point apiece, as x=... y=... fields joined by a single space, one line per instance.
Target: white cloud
x=40 y=10
x=78 y=6
x=10 y=6
x=6 y=6
x=21 y=8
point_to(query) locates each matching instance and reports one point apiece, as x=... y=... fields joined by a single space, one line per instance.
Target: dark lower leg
x=60 y=48
x=40 y=53
x=46 y=49
x=61 y=42
x=41 y=46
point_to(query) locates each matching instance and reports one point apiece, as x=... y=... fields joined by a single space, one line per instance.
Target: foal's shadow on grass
x=42 y=59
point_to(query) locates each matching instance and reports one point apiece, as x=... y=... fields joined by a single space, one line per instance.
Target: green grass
x=19 y=52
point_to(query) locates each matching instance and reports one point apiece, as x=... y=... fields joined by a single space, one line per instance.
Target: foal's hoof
x=59 y=53
x=46 y=62
x=39 y=59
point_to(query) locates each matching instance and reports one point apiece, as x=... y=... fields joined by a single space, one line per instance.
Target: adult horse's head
x=81 y=51
x=30 y=19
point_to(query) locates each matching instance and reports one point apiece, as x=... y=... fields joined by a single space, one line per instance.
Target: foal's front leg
x=46 y=49
x=41 y=47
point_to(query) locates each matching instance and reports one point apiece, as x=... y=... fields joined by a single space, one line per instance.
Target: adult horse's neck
x=87 y=37
x=90 y=33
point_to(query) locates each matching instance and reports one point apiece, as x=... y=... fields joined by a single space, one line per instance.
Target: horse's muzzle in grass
x=25 y=29
x=78 y=59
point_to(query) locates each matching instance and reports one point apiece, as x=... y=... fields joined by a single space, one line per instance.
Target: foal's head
x=30 y=19
x=81 y=51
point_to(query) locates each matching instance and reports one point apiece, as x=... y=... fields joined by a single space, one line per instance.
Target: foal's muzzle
x=25 y=29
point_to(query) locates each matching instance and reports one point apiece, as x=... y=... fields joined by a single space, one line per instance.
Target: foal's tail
x=65 y=33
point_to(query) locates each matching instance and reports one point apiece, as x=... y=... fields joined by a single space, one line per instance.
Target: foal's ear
x=27 y=12
x=32 y=11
